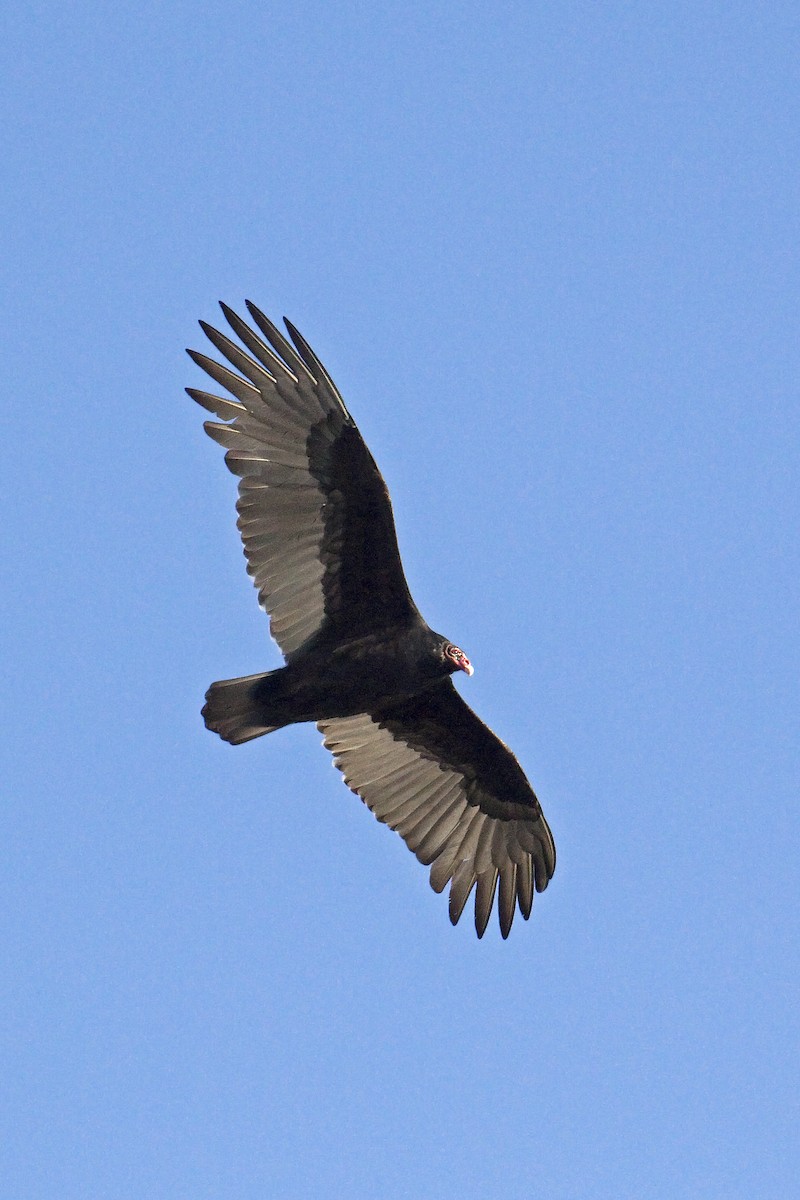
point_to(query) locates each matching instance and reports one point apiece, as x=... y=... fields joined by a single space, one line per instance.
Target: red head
x=459 y=659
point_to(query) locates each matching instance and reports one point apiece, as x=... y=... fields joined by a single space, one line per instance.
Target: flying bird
x=319 y=539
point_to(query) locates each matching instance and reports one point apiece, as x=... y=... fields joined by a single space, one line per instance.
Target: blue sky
x=549 y=253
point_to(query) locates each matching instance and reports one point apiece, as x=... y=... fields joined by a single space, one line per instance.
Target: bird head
x=455 y=656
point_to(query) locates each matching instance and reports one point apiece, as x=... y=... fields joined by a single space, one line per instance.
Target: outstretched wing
x=314 y=511
x=429 y=768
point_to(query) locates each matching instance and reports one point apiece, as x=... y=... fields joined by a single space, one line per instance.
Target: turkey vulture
x=319 y=538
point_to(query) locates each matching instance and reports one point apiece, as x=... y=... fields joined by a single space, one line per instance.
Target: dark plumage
x=316 y=522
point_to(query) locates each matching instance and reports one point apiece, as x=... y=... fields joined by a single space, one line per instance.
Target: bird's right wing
x=314 y=511
x=428 y=767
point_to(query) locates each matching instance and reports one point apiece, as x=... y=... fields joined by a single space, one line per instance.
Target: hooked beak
x=466 y=665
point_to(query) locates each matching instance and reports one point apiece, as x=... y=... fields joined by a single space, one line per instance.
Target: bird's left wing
x=429 y=768
x=314 y=511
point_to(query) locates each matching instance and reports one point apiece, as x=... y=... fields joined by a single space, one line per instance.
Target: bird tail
x=245 y=708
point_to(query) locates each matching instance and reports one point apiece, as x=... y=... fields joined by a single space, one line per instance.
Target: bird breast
x=357 y=676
